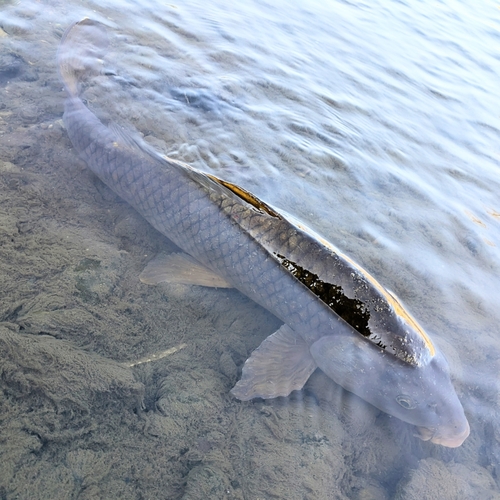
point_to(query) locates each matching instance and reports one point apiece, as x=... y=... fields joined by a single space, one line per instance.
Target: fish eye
x=406 y=402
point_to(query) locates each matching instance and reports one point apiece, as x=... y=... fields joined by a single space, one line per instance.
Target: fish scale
x=321 y=295
x=193 y=219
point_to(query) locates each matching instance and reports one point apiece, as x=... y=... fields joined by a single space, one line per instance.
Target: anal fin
x=280 y=365
x=180 y=268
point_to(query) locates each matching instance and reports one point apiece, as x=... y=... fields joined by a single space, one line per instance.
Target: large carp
x=336 y=316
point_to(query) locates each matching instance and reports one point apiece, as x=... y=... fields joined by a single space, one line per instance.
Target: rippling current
x=375 y=123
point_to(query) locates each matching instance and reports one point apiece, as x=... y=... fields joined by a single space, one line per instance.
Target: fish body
x=336 y=315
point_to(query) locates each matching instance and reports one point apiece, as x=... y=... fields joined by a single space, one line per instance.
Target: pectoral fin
x=280 y=365
x=180 y=268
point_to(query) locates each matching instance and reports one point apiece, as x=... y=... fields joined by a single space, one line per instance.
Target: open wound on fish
x=245 y=195
x=280 y=365
x=352 y=311
x=180 y=268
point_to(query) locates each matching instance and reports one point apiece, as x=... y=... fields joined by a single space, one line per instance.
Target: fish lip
x=449 y=436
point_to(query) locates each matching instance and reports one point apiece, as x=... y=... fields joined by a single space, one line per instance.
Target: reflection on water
x=375 y=123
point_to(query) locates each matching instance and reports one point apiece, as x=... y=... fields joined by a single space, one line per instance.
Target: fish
x=336 y=316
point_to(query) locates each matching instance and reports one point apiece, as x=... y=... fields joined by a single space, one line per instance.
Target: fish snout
x=451 y=436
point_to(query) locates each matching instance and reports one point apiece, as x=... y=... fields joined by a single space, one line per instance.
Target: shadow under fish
x=336 y=315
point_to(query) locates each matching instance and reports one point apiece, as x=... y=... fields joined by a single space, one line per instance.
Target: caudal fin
x=80 y=51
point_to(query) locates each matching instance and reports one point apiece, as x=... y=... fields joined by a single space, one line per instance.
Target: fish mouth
x=451 y=437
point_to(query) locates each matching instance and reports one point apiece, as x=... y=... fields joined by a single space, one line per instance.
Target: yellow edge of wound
x=393 y=301
x=398 y=308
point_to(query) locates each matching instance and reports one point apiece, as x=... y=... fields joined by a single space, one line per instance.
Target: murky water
x=376 y=123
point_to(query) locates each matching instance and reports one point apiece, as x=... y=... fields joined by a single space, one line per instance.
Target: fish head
x=422 y=395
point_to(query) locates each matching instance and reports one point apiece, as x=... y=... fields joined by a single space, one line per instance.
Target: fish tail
x=80 y=51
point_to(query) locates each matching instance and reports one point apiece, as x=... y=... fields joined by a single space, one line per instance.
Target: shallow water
x=375 y=123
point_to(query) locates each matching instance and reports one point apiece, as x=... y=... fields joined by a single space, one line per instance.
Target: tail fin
x=82 y=46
